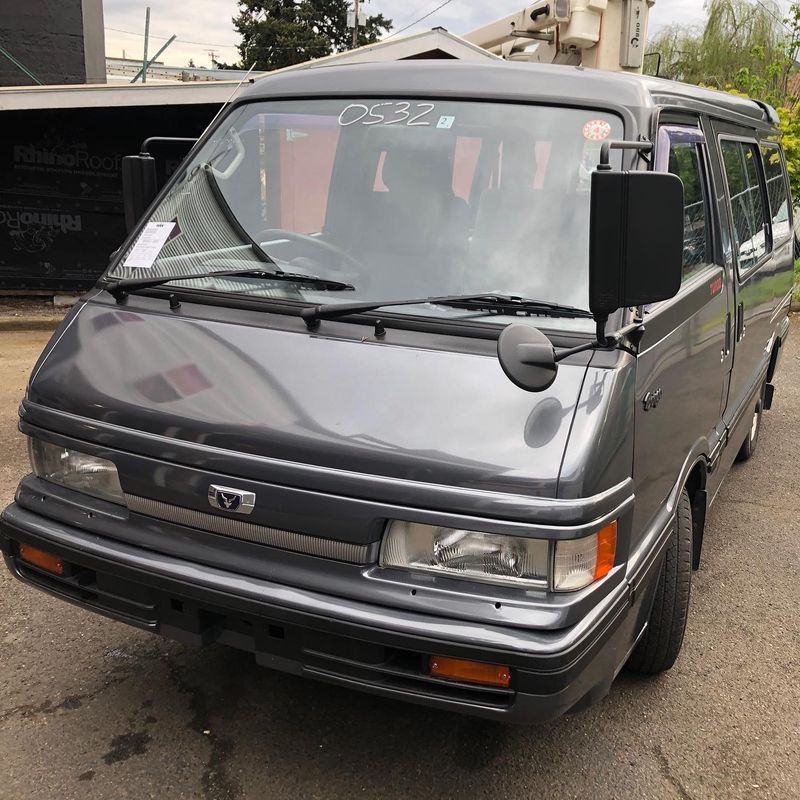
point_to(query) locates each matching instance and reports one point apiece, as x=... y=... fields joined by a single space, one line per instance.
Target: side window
x=750 y=222
x=685 y=162
x=776 y=191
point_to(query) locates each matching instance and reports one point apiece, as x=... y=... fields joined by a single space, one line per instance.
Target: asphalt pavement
x=90 y=708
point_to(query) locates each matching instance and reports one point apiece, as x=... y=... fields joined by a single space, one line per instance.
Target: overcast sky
x=203 y=25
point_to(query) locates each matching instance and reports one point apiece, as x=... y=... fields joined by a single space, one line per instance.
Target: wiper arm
x=120 y=287
x=504 y=303
x=486 y=301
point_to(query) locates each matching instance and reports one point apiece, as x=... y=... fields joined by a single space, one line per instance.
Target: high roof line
x=491 y=78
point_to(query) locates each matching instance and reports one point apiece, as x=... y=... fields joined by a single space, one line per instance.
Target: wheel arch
x=696 y=488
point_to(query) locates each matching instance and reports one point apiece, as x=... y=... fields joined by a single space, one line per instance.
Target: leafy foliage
x=745 y=48
x=790 y=139
x=743 y=45
x=280 y=33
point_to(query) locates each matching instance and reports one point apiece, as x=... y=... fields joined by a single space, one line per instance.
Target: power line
x=416 y=11
x=772 y=14
x=233 y=46
x=425 y=16
x=212 y=44
x=182 y=41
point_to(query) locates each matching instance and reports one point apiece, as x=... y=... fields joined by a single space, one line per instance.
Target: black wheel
x=749 y=444
x=659 y=646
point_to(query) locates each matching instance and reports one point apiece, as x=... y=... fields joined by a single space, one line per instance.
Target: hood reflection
x=427 y=415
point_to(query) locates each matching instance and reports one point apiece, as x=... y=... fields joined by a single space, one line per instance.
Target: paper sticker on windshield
x=445 y=122
x=595 y=130
x=149 y=244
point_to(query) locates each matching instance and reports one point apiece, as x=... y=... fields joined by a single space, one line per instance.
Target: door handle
x=740 y=322
x=727 y=347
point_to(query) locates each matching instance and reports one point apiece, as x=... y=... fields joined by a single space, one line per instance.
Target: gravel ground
x=38 y=308
x=90 y=708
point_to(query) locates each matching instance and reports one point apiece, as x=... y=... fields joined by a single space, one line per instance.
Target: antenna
x=230 y=99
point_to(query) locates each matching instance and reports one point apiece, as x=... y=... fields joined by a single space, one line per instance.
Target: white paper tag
x=149 y=245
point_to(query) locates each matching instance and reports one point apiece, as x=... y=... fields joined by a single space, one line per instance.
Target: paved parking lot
x=90 y=708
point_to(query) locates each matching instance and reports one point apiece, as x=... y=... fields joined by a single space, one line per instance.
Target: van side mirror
x=635 y=239
x=139 y=186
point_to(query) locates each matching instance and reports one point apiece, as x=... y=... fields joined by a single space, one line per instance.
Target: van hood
x=378 y=408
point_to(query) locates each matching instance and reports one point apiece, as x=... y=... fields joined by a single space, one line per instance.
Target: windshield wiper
x=498 y=303
x=122 y=286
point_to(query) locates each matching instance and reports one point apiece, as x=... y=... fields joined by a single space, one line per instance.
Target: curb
x=17 y=324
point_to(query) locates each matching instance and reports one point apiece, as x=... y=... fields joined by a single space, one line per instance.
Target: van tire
x=748 y=447
x=659 y=646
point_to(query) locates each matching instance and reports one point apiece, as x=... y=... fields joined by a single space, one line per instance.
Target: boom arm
x=604 y=34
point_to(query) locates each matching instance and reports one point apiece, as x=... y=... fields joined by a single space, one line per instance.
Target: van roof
x=503 y=80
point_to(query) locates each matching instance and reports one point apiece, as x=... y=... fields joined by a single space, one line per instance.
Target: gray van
x=419 y=379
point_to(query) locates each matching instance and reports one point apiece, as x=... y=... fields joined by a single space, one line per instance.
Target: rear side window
x=776 y=191
x=750 y=221
x=685 y=162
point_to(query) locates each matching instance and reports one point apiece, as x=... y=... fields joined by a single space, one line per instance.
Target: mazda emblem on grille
x=234 y=501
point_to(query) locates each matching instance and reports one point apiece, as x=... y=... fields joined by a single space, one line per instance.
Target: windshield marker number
x=394 y=113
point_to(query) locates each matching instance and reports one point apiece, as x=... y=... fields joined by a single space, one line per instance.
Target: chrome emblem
x=234 y=501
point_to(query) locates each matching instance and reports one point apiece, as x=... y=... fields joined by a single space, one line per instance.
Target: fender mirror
x=635 y=239
x=527 y=357
x=139 y=186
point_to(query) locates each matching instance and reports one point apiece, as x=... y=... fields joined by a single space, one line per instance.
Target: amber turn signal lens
x=470 y=671
x=606 y=550
x=39 y=558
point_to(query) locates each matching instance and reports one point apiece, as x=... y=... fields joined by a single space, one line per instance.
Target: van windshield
x=396 y=198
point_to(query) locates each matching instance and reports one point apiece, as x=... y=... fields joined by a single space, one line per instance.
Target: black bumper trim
x=547 y=681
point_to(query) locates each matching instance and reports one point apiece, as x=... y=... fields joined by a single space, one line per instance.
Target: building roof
x=437 y=43
x=20 y=98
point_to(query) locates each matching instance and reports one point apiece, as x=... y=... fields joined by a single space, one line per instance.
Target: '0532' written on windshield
x=388 y=113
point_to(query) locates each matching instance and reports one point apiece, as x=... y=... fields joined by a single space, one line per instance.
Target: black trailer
x=61 y=149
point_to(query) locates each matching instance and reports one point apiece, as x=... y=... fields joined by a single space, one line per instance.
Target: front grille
x=250 y=532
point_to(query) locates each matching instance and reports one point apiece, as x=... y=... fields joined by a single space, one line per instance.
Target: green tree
x=742 y=45
x=745 y=48
x=280 y=33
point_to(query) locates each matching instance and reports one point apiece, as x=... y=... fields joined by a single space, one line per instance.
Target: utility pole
x=146 y=39
x=356 y=3
x=144 y=69
x=212 y=54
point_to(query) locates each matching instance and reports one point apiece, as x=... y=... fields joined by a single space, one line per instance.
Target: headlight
x=499 y=558
x=491 y=557
x=79 y=471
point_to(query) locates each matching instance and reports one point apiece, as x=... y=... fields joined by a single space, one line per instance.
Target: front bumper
x=372 y=648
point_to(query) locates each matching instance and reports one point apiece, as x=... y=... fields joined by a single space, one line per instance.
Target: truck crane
x=603 y=34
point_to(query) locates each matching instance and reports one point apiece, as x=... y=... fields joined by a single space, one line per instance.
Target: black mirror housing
x=636 y=239
x=139 y=186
